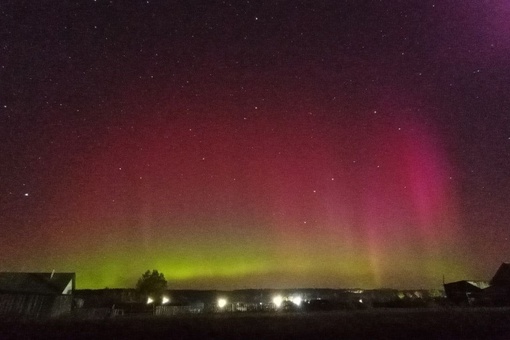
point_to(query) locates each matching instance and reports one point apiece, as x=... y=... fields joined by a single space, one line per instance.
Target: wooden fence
x=34 y=305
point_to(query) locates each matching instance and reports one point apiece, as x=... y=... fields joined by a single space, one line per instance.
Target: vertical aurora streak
x=294 y=200
x=255 y=144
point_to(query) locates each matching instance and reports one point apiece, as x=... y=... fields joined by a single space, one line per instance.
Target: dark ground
x=490 y=323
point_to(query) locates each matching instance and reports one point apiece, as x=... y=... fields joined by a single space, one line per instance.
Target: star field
x=255 y=144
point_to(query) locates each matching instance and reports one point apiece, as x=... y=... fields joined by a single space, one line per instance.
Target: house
x=502 y=276
x=465 y=292
x=36 y=295
x=498 y=294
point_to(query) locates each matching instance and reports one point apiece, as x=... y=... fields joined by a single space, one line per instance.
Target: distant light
x=165 y=300
x=26 y=194
x=149 y=300
x=360 y=300
x=222 y=302
x=297 y=300
x=278 y=300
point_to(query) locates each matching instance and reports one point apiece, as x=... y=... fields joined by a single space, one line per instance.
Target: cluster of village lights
x=222 y=302
x=164 y=300
x=277 y=301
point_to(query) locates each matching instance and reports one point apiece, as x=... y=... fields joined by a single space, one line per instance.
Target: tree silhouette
x=152 y=284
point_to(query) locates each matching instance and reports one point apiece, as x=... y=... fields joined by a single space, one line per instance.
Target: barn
x=36 y=295
x=493 y=293
x=465 y=292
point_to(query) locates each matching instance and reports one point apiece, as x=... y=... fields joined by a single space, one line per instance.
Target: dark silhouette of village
x=53 y=295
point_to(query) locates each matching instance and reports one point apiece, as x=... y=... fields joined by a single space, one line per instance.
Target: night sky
x=256 y=144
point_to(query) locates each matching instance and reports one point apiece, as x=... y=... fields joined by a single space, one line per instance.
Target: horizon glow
x=287 y=204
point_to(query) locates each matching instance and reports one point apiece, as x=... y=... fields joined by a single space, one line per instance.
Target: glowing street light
x=222 y=302
x=165 y=300
x=297 y=300
x=149 y=300
x=278 y=300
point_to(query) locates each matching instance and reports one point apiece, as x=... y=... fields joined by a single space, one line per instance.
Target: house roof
x=38 y=283
x=502 y=275
x=479 y=284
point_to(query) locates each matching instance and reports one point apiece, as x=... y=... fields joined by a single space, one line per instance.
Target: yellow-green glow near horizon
x=256 y=144
x=244 y=259
x=258 y=220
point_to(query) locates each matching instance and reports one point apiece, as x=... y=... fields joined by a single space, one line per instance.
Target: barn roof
x=38 y=283
x=466 y=285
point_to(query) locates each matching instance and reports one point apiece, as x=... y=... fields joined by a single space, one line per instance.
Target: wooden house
x=36 y=295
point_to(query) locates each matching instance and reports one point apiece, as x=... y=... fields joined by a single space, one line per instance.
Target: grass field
x=490 y=323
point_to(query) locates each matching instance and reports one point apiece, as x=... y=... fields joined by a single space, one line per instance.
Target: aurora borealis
x=270 y=144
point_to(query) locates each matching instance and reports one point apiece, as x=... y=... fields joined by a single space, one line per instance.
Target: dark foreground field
x=368 y=324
